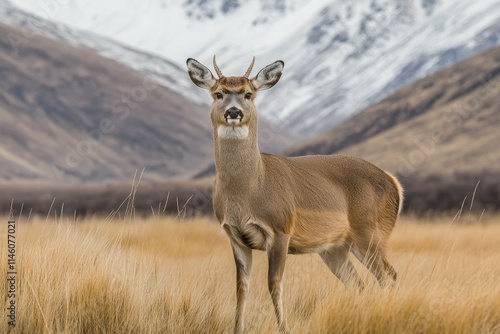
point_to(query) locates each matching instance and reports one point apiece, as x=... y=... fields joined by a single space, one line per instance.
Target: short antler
x=217 y=69
x=247 y=73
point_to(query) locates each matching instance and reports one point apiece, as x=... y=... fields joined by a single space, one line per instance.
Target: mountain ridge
x=447 y=97
x=70 y=115
x=439 y=135
x=340 y=56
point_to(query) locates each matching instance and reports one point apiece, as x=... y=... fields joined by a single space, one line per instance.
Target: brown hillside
x=68 y=114
x=444 y=127
x=454 y=112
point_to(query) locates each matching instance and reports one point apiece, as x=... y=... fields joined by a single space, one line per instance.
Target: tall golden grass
x=163 y=275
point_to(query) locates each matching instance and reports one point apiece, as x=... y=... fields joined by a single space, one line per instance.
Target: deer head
x=233 y=111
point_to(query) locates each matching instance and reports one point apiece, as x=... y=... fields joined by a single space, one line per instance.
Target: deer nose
x=233 y=113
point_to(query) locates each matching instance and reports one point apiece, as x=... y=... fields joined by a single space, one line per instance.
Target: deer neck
x=238 y=162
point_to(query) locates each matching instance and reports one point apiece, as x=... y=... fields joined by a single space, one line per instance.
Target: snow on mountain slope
x=155 y=67
x=340 y=56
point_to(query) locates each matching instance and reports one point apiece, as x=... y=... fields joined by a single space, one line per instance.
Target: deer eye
x=248 y=96
x=218 y=96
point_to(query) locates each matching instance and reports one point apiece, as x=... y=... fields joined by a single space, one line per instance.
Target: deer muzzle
x=233 y=115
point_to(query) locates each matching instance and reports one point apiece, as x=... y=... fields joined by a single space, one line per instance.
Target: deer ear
x=268 y=76
x=200 y=74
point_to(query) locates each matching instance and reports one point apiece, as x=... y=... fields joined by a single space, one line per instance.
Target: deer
x=332 y=205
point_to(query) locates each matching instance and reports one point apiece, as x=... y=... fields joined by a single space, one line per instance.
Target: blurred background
x=95 y=97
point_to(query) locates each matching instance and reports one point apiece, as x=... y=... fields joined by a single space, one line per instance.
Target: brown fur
x=329 y=205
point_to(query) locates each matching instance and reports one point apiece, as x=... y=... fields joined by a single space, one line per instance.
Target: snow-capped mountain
x=155 y=67
x=340 y=56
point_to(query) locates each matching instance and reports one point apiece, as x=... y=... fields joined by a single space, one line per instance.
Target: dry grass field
x=168 y=276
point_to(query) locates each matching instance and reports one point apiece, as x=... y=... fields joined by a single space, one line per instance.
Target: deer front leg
x=277 y=257
x=243 y=259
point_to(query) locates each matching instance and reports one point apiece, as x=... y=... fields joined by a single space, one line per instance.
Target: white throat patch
x=232 y=132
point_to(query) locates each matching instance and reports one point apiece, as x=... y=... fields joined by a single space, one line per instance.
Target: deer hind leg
x=337 y=260
x=372 y=254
